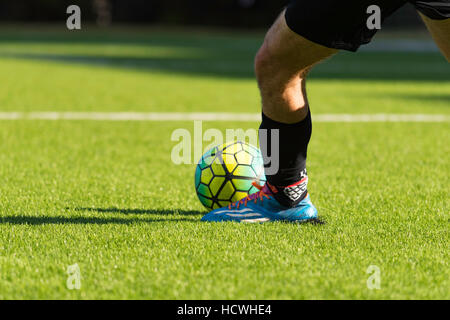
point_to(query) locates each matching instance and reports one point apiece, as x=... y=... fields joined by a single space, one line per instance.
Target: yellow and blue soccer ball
x=225 y=174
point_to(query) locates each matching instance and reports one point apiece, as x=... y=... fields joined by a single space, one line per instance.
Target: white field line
x=180 y=116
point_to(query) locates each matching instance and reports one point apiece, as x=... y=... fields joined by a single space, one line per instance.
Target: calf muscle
x=281 y=66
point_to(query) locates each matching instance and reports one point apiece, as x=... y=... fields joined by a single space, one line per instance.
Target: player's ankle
x=290 y=195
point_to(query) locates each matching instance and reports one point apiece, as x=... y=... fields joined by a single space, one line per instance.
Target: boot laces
x=260 y=195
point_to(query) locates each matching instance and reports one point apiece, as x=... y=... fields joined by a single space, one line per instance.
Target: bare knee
x=276 y=70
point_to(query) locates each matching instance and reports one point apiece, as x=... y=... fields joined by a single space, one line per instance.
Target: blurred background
x=202 y=52
x=224 y=13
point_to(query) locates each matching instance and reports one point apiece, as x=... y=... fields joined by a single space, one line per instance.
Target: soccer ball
x=225 y=174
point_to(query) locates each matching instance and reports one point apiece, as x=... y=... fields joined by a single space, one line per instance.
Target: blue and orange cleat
x=263 y=207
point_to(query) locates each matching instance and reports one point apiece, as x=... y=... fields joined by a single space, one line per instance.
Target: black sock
x=291 y=179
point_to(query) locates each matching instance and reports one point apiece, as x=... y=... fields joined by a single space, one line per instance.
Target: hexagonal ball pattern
x=225 y=174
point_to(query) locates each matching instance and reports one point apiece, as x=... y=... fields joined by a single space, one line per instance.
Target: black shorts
x=342 y=24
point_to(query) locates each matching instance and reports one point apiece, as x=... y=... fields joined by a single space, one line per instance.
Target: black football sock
x=291 y=179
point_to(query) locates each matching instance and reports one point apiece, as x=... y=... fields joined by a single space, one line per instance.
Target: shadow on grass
x=29 y=220
x=363 y=66
x=60 y=220
x=427 y=98
x=204 y=66
x=141 y=211
x=315 y=221
x=177 y=216
x=229 y=56
x=195 y=217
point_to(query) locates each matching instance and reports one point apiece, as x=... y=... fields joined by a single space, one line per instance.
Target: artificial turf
x=106 y=195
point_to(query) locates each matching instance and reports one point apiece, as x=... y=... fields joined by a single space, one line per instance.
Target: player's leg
x=281 y=67
x=440 y=30
x=307 y=32
x=304 y=35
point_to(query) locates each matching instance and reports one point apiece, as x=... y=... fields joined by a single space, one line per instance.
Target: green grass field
x=105 y=195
